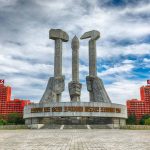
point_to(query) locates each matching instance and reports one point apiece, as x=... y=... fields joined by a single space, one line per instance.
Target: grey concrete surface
x=74 y=139
x=56 y=84
x=93 y=35
x=63 y=113
x=95 y=85
x=74 y=86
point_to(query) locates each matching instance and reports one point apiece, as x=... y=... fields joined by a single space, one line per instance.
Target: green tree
x=15 y=118
x=147 y=121
x=3 y=122
x=144 y=117
x=131 y=119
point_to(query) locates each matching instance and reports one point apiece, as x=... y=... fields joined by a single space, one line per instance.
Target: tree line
x=145 y=120
x=11 y=119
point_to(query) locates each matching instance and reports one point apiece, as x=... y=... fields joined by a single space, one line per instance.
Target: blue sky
x=123 y=51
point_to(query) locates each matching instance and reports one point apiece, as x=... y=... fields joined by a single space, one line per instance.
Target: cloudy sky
x=123 y=51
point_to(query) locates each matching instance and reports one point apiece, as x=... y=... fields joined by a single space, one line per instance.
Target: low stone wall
x=35 y=112
x=35 y=126
x=11 y=127
x=136 y=127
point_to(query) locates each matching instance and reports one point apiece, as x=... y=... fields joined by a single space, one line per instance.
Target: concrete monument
x=51 y=111
x=74 y=85
x=56 y=84
x=94 y=84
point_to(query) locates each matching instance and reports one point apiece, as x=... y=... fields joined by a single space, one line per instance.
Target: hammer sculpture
x=56 y=84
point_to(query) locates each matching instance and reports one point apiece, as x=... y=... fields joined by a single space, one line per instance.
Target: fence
x=13 y=127
x=136 y=127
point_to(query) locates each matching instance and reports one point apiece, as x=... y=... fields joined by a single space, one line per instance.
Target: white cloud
x=4 y=3
x=124 y=89
x=106 y=51
x=127 y=61
x=10 y=65
x=141 y=8
x=117 y=70
x=146 y=60
x=146 y=63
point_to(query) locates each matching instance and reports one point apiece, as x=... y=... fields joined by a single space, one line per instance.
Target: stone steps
x=100 y=127
x=75 y=127
x=51 y=126
x=61 y=127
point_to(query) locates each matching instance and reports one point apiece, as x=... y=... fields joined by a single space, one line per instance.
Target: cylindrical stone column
x=58 y=58
x=92 y=58
x=75 y=59
x=74 y=85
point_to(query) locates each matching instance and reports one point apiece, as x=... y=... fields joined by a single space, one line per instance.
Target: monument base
x=76 y=113
x=94 y=122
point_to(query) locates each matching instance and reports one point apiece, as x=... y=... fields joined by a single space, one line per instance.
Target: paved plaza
x=74 y=139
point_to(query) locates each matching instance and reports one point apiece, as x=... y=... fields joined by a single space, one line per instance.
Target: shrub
x=3 y=122
x=144 y=117
x=147 y=121
x=131 y=119
x=15 y=118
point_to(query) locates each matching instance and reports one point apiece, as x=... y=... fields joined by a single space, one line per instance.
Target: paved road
x=74 y=140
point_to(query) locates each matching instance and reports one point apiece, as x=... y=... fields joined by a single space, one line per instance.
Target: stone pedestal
x=55 y=86
x=75 y=91
x=97 y=90
x=75 y=86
